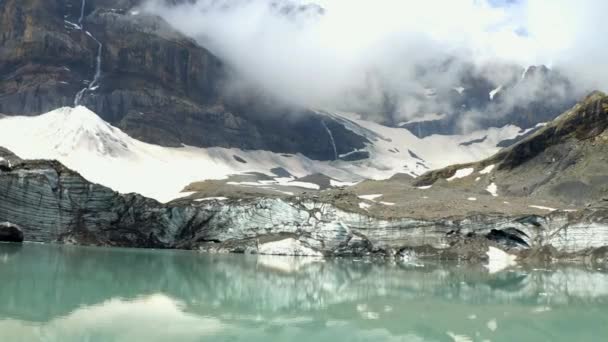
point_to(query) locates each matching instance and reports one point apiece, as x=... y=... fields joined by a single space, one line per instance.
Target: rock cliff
x=146 y=78
x=54 y=204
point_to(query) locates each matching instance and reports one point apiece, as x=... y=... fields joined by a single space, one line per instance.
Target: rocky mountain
x=141 y=75
x=535 y=97
x=159 y=86
x=564 y=160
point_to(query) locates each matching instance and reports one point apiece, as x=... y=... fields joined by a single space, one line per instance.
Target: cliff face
x=141 y=75
x=54 y=204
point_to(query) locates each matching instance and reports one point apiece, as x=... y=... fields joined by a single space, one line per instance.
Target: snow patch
x=487 y=169
x=364 y=205
x=211 y=199
x=426 y=187
x=461 y=173
x=337 y=184
x=288 y=246
x=104 y=154
x=437 y=151
x=492 y=189
x=472 y=199
x=278 y=181
x=370 y=197
x=542 y=208
x=499 y=260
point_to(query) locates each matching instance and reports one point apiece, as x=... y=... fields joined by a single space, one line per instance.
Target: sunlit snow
x=104 y=154
x=461 y=174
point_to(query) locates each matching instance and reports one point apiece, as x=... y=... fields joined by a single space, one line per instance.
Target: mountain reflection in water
x=65 y=293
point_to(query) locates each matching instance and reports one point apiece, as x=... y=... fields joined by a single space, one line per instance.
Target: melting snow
x=104 y=154
x=390 y=204
x=288 y=246
x=211 y=199
x=542 y=208
x=364 y=205
x=472 y=199
x=487 y=169
x=492 y=189
x=437 y=150
x=461 y=174
x=499 y=260
x=424 y=187
x=370 y=197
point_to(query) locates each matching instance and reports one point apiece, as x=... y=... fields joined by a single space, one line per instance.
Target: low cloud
x=385 y=56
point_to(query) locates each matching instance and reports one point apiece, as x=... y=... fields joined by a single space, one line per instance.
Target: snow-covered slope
x=396 y=150
x=104 y=154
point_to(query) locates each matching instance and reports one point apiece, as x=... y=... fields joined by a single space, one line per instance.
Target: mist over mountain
x=385 y=58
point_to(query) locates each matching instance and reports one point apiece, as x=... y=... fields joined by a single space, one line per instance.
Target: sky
x=359 y=46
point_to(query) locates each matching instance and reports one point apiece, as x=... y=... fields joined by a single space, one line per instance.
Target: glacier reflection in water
x=65 y=293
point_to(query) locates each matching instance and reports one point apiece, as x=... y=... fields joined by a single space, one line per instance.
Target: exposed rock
x=547 y=93
x=156 y=84
x=10 y=232
x=564 y=160
x=55 y=204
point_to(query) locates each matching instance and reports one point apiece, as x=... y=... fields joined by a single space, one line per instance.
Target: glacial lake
x=66 y=293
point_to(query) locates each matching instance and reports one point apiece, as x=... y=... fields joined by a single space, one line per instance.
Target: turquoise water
x=52 y=293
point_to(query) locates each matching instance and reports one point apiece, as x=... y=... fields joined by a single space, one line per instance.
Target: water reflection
x=67 y=293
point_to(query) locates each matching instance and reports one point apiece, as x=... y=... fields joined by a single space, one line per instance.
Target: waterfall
x=95 y=83
x=84 y=3
x=331 y=138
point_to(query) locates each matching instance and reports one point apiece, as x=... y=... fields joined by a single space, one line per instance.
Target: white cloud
x=365 y=46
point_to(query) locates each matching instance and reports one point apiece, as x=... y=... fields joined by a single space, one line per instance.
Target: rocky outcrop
x=10 y=232
x=55 y=204
x=565 y=160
